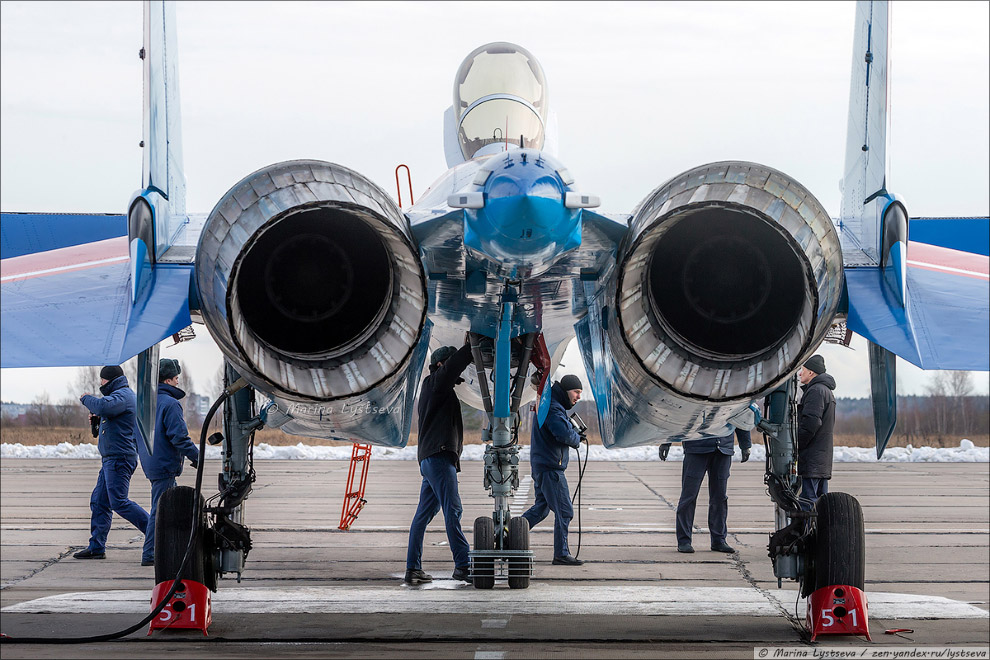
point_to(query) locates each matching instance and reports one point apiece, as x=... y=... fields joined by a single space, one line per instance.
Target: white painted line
x=948 y=269
x=518 y=506
x=540 y=598
x=484 y=654
x=494 y=623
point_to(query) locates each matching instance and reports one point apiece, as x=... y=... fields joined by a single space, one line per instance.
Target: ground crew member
x=172 y=442
x=549 y=454
x=441 y=440
x=118 y=449
x=714 y=457
x=816 y=415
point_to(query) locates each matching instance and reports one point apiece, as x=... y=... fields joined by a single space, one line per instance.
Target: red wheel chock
x=838 y=610
x=191 y=606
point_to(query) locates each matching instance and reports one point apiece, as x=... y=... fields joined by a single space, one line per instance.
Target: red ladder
x=354 y=498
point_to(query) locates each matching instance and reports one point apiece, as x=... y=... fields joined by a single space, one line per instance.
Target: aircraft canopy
x=500 y=96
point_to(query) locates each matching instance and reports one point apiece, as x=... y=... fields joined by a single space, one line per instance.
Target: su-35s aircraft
x=326 y=297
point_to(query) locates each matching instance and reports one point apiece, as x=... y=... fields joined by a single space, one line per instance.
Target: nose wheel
x=512 y=562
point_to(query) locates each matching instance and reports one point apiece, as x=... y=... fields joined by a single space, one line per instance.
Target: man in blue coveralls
x=172 y=442
x=712 y=456
x=118 y=449
x=550 y=447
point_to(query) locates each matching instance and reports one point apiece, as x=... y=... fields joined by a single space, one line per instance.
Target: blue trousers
x=811 y=489
x=110 y=496
x=158 y=486
x=552 y=495
x=716 y=465
x=438 y=492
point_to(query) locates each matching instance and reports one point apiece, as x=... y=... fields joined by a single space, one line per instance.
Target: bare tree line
x=948 y=411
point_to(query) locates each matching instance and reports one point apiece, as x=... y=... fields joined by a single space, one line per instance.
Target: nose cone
x=523 y=222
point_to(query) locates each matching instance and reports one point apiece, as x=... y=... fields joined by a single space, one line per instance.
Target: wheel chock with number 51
x=191 y=606
x=838 y=610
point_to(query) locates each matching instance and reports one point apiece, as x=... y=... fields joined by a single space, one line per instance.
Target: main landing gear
x=222 y=542
x=501 y=542
x=823 y=546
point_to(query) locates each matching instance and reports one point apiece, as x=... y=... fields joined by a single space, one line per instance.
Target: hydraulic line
x=197 y=511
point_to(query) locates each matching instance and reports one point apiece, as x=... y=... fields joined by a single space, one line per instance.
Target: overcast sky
x=642 y=91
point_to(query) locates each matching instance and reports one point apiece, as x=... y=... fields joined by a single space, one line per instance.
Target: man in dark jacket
x=816 y=413
x=714 y=457
x=550 y=447
x=441 y=439
x=118 y=449
x=172 y=442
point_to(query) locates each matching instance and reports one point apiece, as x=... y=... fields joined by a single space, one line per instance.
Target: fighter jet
x=325 y=297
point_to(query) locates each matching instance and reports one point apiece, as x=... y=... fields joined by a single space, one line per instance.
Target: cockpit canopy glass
x=500 y=95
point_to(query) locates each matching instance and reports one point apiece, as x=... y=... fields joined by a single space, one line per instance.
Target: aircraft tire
x=839 y=556
x=519 y=540
x=484 y=539
x=172 y=525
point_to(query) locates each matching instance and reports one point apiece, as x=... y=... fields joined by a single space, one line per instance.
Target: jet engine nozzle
x=310 y=282
x=732 y=277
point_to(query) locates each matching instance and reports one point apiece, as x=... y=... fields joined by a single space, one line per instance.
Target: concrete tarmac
x=311 y=590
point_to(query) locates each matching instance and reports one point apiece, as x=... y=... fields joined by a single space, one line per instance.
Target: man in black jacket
x=441 y=439
x=816 y=413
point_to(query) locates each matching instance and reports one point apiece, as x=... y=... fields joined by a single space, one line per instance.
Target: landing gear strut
x=501 y=543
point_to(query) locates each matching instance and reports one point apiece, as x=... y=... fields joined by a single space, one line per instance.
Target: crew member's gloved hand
x=664 y=450
x=745 y=455
x=194 y=464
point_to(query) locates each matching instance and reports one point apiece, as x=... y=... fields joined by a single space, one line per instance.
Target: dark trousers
x=110 y=496
x=811 y=489
x=158 y=486
x=438 y=492
x=552 y=495
x=716 y=465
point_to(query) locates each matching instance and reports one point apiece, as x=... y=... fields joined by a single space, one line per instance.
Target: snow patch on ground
x=966 y=452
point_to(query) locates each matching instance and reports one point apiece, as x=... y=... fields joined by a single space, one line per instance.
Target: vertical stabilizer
x=864 y=194
x=163 y=178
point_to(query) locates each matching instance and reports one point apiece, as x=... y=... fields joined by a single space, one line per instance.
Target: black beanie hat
x=168 y=368
x=570 y=382
x=816 y=363
x=111 y=372
x=441 y=354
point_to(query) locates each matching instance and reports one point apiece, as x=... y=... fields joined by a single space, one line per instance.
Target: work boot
x=722 y=546
x=90 y=554
x=148 y=562
x=417 y=576
x=685 y=547
x=461 y=573
x=566 y=561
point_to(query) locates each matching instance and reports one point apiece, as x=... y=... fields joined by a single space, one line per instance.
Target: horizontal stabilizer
x=963 y=234
x=945 y=324
x=28 y=233
x=72 y=306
